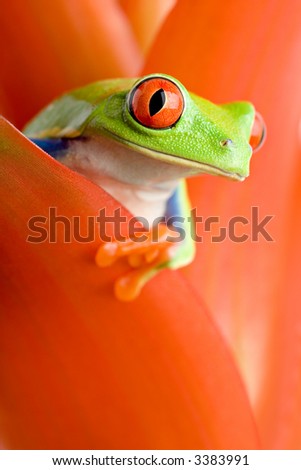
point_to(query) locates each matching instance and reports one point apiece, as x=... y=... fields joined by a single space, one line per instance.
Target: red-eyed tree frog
x=139 y=140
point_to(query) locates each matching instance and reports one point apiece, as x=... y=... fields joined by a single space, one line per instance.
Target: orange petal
x=146 y=18
x=252 y=287
x=46 y=51
x=80 y=369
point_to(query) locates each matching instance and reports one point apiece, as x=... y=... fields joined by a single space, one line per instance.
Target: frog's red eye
x=258 y=132
x=156 y=102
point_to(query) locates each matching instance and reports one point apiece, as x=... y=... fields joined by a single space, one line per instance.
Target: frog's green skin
x=141 y=166
x=100 y=109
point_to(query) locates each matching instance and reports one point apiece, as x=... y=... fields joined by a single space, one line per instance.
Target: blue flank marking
x=54 y=147
x=173 y=207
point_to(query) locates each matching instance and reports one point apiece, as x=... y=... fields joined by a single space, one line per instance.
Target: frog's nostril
x=226 y=143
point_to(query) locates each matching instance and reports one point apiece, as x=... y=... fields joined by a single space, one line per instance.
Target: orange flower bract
x=79 y=369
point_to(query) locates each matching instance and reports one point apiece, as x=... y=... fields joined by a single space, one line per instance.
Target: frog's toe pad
x=145 y=258
x=128 y=286
x=106 y=254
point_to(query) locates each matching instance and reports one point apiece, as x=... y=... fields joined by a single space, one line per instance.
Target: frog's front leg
x=160 y=249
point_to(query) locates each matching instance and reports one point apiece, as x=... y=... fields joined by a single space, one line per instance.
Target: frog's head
x=158 y=117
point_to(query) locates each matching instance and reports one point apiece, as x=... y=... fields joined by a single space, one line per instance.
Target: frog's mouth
x=199 y=167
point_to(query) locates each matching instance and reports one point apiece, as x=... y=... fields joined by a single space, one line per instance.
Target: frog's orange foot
x=144 y=257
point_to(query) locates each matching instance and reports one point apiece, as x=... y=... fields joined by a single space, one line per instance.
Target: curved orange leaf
x=80 y=369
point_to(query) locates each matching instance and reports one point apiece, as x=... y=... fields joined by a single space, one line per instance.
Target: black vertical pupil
x=157 y=102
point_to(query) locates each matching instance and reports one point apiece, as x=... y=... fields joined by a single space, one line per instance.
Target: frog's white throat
x=140 y=183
